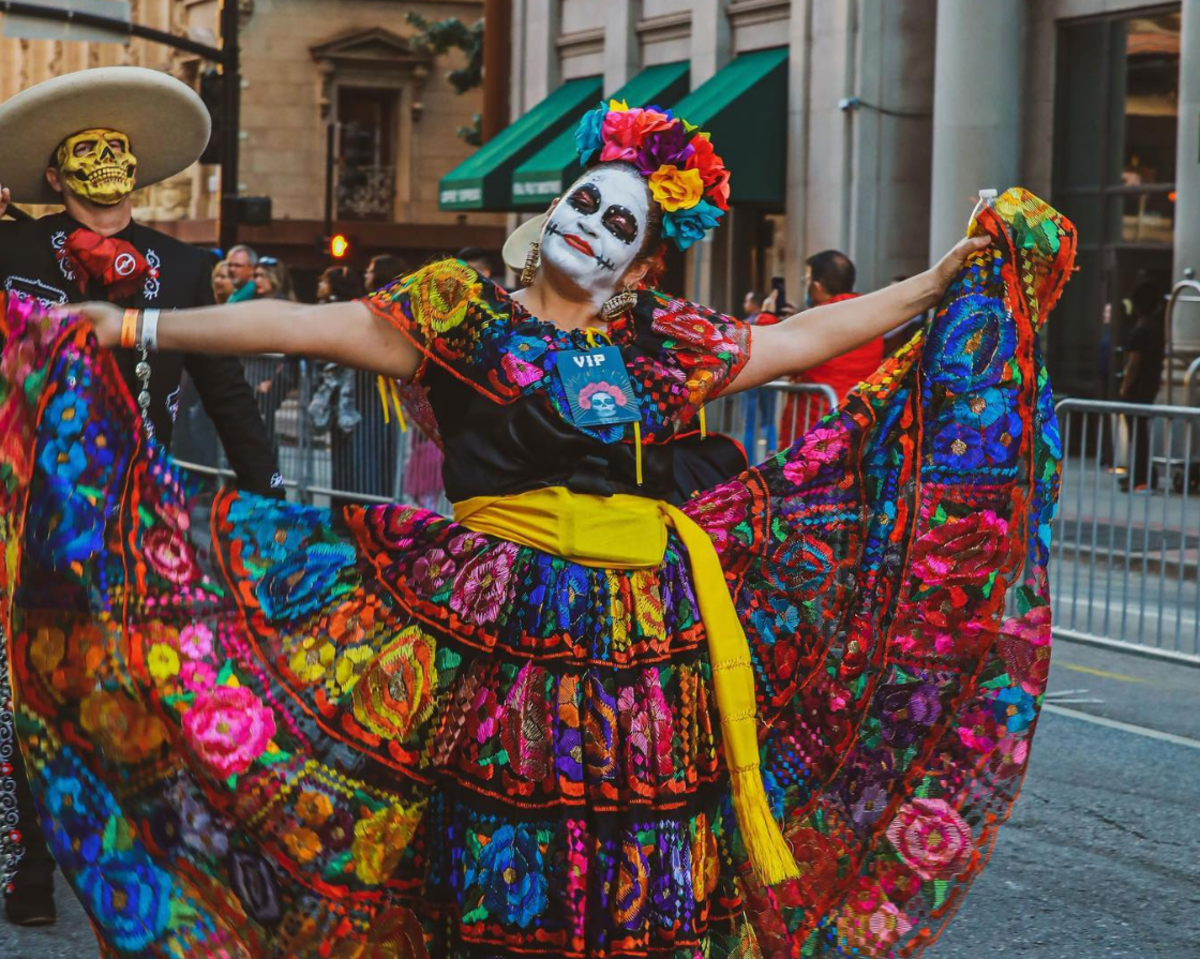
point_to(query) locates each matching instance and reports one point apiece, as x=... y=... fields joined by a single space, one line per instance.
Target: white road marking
x=1124 y=727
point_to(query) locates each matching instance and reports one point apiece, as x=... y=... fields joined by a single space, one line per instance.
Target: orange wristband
x=129 y=325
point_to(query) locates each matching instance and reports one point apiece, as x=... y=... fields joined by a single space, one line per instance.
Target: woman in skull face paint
x=574 y=720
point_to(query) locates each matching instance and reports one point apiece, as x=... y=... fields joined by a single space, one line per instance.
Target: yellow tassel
x=637 y=449
x=703 y=424
x=399 y=409
x=383 y=398
x=768 y=852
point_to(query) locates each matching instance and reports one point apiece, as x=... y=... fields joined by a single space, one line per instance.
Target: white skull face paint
x=597 y=229
x=604 y=405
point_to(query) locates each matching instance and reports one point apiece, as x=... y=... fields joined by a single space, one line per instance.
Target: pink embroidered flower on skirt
x=196 y=641
x=432 y=571
x=482 y=586
x=228 y=729
x=931 y=838
x=1025 y=646
x=961 y=552
x=167 y=549
x=822 y=446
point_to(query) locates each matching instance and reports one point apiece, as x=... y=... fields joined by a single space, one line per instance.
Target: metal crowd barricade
x=1127 y=536
x=762 y=419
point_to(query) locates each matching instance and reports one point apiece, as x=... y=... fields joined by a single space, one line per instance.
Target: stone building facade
x=306 y=64
x=898 y=111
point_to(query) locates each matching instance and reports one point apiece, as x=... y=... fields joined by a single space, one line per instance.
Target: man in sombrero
x=87 y=141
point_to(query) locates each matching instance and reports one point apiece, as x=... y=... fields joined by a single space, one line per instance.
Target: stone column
x=796 y=197
x=707 y=262
x=541 y=64
x=1187 y=175
x=621 y=54
x=976 y=109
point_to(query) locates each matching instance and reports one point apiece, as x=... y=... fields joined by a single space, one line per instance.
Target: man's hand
x=5 y=199
x=104 y=317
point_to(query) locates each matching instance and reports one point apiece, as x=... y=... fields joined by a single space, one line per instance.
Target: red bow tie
x=115 y=264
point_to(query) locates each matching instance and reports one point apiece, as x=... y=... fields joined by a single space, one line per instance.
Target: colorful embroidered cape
x=250 y=735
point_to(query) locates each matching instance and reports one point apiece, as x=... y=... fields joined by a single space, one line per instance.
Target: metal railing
x=371 y=461
x=1127 y=536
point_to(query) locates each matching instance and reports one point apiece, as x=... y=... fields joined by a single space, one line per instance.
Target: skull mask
x=604 y=405
x=98 y=166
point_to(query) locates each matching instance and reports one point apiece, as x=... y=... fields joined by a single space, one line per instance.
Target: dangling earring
x=614 y=306
x=532 y=260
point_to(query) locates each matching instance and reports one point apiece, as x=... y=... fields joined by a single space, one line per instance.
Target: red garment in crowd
x=842 y=373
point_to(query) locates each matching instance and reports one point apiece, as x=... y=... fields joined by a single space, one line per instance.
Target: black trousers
x=36 y=867
x=1139 y=449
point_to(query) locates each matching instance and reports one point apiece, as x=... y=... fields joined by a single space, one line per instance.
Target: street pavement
x=1101 y=859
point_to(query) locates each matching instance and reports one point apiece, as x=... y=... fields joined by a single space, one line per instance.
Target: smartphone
x=780 y=292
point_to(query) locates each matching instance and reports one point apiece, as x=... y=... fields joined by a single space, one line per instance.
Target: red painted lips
x=579 y=243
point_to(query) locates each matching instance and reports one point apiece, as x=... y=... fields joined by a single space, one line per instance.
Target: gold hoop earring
x=533 y=260
x=614 y=306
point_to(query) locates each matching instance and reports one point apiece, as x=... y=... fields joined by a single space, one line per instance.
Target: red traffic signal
x=336 y=246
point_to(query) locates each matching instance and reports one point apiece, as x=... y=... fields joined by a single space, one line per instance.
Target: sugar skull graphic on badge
x=597 y=387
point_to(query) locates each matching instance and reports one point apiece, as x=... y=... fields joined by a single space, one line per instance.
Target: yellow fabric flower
x=163 y=662
x=311 y=661
x=380 y=841
x=618 y=106
x=303 y=844
x=351 y=666
x=676 y=189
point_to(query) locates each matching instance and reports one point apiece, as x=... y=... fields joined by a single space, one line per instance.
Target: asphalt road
x=1101 y=859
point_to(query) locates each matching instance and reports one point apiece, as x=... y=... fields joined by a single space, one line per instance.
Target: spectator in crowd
x=272 y=378
x=272 y=280
x=479 y=260
x=830 y=277
x=242 y=261
x=1145 y=350
x=346 y=402
x=752 y=306
x=222 y=282
x=382 y=270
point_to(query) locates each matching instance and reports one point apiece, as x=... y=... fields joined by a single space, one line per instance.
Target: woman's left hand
x=946 y=269
x=104 y=317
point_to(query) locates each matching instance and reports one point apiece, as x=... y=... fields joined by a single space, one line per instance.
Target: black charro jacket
x=29 y=267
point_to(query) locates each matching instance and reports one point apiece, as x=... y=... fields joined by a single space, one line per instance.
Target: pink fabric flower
x=822 y=446
x=887 y=924
x=482 y=585
x=978 y=730
x=197 y=677
x=623 y=132
x=931 y=838
x=961 y=552
x=1025 y=646
x=228 y=729
x=196 y=641
x=167 y=549
x=432 y=570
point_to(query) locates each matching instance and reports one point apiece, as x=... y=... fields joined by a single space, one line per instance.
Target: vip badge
x=597 y=387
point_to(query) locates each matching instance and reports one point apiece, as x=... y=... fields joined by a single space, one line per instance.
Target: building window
x=1116 y=131
x=367 y=148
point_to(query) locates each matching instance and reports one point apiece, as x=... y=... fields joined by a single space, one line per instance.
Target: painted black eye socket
x=586 y=199
x=621 y=223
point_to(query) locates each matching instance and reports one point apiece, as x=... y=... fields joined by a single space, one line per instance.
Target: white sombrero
x=166 y=121
x=516 y=247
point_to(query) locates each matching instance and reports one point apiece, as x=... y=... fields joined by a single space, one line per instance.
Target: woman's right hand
x=104 y=317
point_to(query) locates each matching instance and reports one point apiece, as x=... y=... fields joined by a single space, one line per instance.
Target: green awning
x=744 y=107
x=484 y=180
x=546 y=174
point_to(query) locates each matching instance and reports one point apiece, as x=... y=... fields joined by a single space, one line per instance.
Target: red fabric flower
x=115 y=264
x=623 y=132
x=712 y=170
x=961 y=552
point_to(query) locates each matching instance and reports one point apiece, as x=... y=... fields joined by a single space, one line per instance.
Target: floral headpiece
x=687 y=179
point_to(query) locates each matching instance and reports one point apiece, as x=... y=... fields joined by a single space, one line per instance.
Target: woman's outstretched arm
x=346 y=333
x=808 y=339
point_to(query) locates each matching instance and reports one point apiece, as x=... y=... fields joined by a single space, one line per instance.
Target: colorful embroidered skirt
x=251 y=735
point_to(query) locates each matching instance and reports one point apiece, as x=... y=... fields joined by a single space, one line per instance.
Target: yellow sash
x=630 y=532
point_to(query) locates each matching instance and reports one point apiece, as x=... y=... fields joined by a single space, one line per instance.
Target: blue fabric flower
x=129 y=898
x=510 y=878
x=588 y=137
x=685 y=227
x=300 y=585
x=1015 y=708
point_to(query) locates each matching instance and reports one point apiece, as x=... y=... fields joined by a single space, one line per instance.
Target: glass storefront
x=1116 y=124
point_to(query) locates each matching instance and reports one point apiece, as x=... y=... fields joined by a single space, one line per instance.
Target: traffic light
x=339 y=246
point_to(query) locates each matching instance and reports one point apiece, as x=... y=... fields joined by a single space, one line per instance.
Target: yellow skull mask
x=98 y=165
